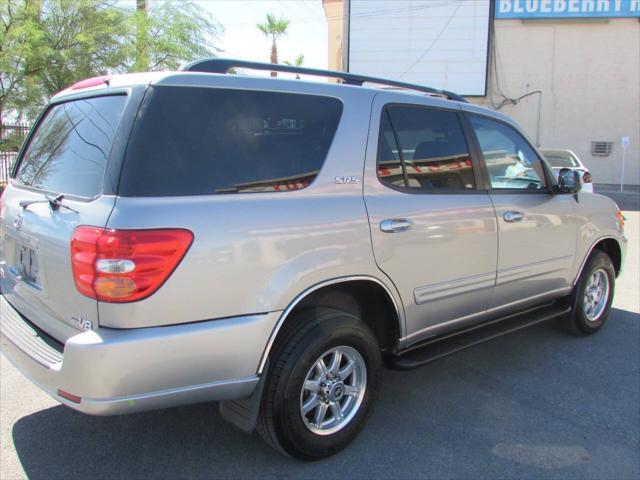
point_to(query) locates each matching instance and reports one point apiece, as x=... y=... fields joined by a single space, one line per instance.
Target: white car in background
x=558 y=159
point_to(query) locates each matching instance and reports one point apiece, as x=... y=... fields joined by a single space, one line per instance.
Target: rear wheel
x=322 y=386
x=593 y=296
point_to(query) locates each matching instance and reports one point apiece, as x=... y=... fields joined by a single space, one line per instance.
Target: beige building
x=570 y=82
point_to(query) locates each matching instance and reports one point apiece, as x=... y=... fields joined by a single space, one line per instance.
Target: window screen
x=201 y=141
x=68 y=152
x=430 y=146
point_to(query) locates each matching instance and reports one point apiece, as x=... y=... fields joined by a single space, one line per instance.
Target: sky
x=307 y=34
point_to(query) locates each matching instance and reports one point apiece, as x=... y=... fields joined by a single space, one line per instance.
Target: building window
x=601 y=149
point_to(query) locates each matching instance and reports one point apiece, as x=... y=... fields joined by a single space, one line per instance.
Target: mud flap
x=243 y=413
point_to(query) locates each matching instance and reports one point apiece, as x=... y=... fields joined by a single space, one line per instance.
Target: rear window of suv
x=69 y=149
x=203 y=141
x=561 y=160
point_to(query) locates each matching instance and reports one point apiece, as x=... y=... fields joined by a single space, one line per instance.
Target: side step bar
x=438 y=347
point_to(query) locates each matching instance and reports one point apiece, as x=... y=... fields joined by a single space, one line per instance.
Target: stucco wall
x=589 y=73
x=587 y=69
x=334 y=11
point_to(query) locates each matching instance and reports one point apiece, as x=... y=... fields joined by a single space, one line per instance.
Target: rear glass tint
x=203 y=141
x=69 y=150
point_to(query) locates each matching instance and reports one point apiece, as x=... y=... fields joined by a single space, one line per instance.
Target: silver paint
x=445 y=261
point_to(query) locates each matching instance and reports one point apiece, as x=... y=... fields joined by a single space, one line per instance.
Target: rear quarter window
x=69 y=150
x=204 y=141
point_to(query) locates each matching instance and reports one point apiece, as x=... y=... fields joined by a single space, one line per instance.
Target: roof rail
x=223 y=65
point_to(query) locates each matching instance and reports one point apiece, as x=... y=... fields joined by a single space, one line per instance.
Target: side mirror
x=568 y=181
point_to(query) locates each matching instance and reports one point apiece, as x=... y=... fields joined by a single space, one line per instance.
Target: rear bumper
x=125 y=371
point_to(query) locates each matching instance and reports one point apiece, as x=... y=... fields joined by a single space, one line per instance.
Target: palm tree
x=297 y=62
x=274 y=28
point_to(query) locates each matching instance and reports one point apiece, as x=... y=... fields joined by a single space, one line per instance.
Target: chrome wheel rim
x=596 y=295
x=333 y=390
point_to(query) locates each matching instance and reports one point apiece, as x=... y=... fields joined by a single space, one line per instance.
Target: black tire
x=280 y=422
x=577 y=322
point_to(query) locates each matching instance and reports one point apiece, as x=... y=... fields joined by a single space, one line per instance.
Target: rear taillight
x=125 y=265
x=586 y=178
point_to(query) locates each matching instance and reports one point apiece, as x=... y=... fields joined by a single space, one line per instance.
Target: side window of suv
x=68 y=152
x=205 y=141
x=423 y=150
x=511 y=162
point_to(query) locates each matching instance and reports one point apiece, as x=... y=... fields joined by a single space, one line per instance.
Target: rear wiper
x=54 y=202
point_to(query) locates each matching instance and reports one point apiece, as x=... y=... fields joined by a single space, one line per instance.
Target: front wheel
x=593 y=296
x=322 y=386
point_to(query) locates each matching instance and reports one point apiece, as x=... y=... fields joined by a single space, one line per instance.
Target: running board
x=439 y=347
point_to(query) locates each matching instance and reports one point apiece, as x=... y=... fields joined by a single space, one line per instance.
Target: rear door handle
x=395 y=225
x=511 y=216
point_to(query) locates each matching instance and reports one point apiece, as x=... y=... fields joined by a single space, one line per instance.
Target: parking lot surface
x=534 y=404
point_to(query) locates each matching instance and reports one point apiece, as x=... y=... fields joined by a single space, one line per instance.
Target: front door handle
x=395 y=225
x=511 y=216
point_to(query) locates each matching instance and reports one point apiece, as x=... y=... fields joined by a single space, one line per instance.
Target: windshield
x=68 y=152
x=560 y=160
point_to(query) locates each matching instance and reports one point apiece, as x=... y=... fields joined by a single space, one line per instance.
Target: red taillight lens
x=125 y=265
x=69 y=396
x=586 y=178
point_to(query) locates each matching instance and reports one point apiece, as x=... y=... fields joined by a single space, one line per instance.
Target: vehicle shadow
x=470 y=415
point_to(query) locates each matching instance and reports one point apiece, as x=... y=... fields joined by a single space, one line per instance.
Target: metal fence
x=11 y=137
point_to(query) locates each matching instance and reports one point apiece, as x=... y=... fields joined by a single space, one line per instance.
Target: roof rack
x=223 y=65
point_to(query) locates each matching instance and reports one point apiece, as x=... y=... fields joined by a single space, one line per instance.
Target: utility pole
x=346 y=32
x=624 y=143
x=142 y=57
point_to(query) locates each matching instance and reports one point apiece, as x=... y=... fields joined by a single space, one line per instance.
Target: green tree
x=81 y=39
x=297 y=62
x=174 y=33
x=20 y=54
x=274 y=28
x=47 y=45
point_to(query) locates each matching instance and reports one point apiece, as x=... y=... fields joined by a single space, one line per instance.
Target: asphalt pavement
x=535 y=404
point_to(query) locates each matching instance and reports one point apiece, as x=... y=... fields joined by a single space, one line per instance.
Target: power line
x=366 y=14
x=434 y=41
x=375 y=13
x=309 y=9
x=297 y=16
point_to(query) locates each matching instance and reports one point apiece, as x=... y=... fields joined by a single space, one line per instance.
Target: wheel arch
x=348 y=293
x=609 y=245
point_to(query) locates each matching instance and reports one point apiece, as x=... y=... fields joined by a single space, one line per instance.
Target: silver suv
x=181 y=237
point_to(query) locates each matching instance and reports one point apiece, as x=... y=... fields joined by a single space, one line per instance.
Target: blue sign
x=506 y=9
